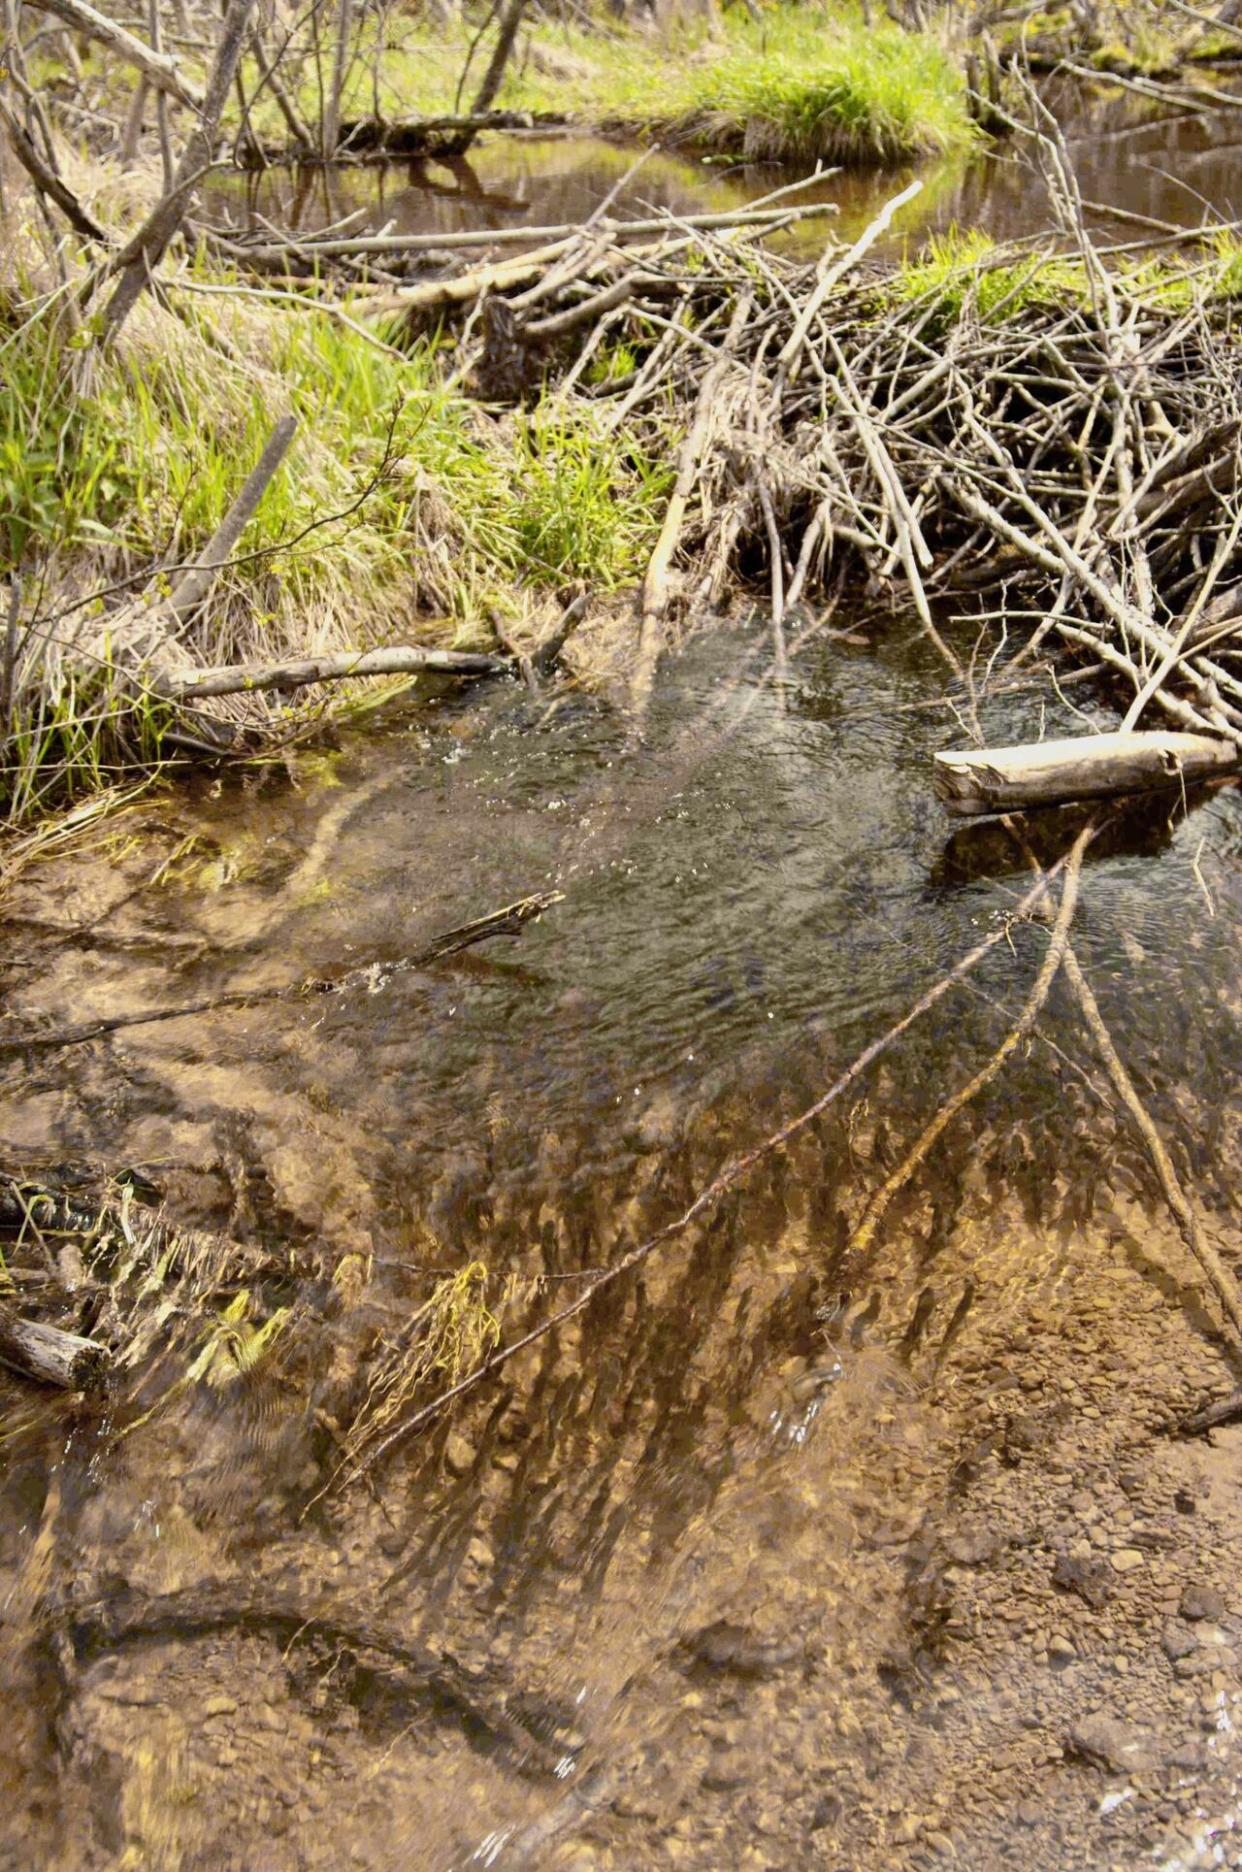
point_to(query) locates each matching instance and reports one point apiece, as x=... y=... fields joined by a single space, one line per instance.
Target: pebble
x=1112 y=1744
x=219 y=1706
x=1125 y=1559
x=1202 y=1602
x=1060 y=1650
x=1177 y=1640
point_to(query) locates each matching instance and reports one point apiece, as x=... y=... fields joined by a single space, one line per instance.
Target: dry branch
x=156 y=67
x=391 y=660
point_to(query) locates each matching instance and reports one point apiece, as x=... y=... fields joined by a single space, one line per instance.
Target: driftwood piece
x=54 y=1357
x=394 y=660
x=1047 y=773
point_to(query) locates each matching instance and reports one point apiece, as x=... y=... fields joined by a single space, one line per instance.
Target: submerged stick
x=732 y=1173
x=54 y=1357
x=877 y=1206
x=1222 y=1282
x=506 y=922
x=134 y=1617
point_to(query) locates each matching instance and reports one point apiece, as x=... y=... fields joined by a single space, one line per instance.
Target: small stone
x=726 y=1770
x=458 y=1453
x=1125 y=1559
x=1060 y=1650
x=1177 y=1641
x=1030 y=1813
x=1202 y=1602
x=1192 y=1756
x=1111 y=1744
x=828 y=1811
x=219 y=1706
x=1078 y=1573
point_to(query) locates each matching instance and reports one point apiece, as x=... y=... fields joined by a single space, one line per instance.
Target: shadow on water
x=1176 y=168
x=677 y=1576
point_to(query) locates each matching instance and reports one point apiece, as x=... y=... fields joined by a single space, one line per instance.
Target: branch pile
x=1062 y=434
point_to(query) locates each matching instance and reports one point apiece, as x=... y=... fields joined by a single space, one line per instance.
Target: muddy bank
x=766 y=1552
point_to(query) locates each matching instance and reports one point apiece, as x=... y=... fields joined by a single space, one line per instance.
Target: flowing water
x=1177 y=166
x=748 y=1563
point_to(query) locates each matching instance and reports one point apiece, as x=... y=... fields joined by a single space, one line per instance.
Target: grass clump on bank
x=824 y=90
x=404 y=513
x=966 y=270
x=793 y=86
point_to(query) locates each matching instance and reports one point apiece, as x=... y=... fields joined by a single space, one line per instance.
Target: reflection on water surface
x=1180 y=169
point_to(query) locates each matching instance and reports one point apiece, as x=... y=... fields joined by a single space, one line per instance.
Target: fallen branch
x=156 y=67
x=392 y=660
x=47 y=182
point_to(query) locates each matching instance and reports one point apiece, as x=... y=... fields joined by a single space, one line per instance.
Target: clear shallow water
x=674 y=1537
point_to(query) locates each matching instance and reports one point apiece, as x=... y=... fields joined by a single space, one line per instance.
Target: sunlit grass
x=966 y=270
x=404 y=512
x=795 y=86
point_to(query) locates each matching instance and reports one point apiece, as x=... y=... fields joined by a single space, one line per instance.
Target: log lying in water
x=394 y=660
x=55 y=1357
x=1047 y=773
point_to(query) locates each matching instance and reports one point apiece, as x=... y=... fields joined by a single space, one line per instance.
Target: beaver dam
x=619 y=1117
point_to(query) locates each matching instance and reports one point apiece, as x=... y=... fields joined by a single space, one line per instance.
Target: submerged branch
x=507 y=922
x=731 y=1174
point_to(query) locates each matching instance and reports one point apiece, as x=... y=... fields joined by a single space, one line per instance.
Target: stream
x=750 y=1563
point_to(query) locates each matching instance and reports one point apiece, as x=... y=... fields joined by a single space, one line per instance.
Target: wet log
x=395 y=660
x=54 y=1357
x=1048 y=773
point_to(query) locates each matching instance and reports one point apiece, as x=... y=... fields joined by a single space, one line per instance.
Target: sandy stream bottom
x=737 y=1570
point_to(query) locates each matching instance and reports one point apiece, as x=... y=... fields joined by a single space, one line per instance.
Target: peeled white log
x=1046 y=773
